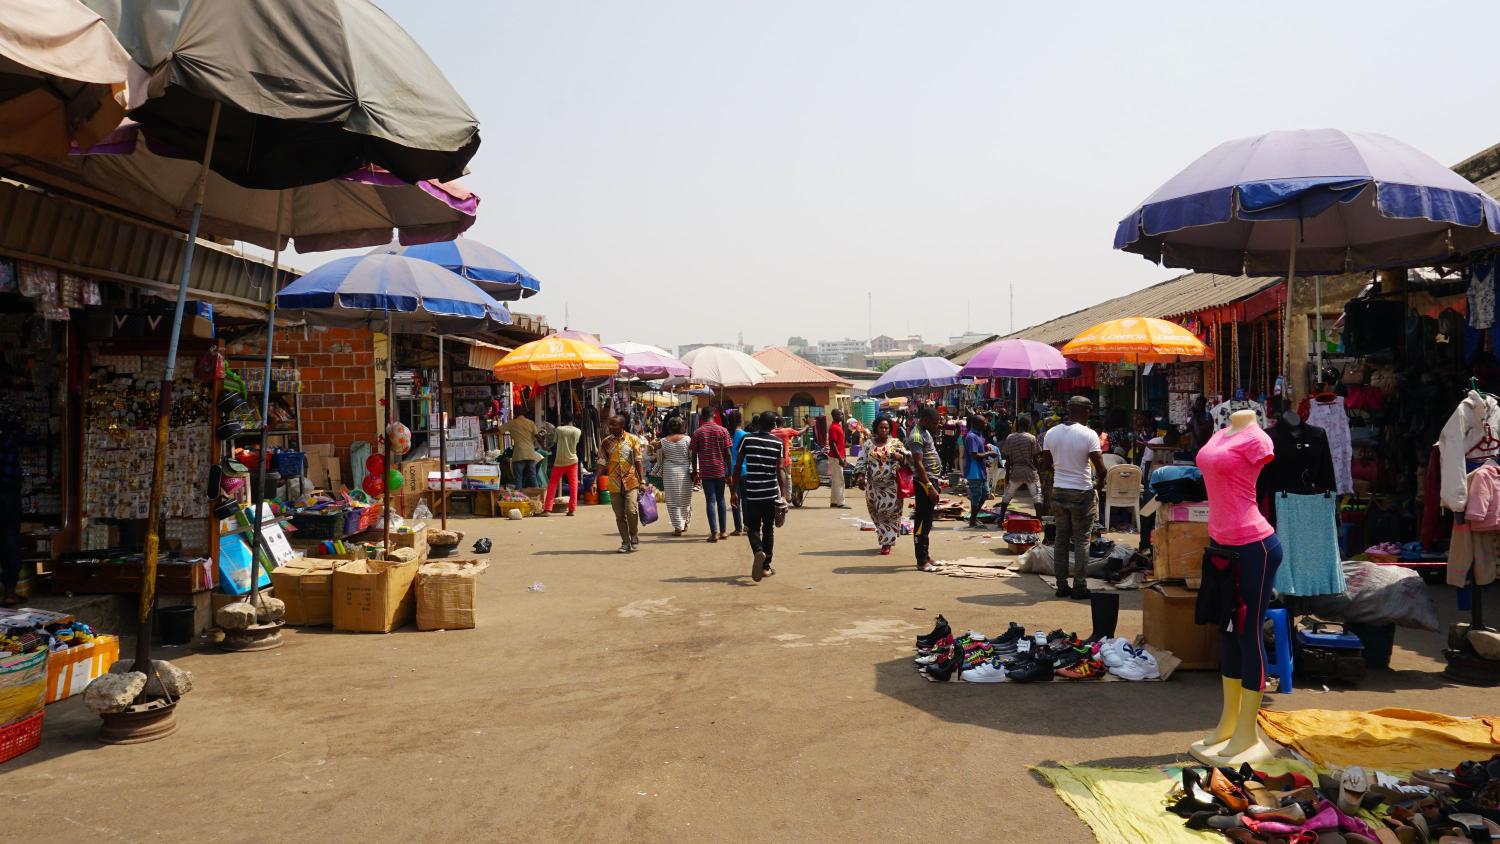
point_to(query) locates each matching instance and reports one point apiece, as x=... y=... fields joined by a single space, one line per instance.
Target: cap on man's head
x=1080 y=401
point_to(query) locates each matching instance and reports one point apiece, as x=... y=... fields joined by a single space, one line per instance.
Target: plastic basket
x=289 y=464
x=504 y=507
x=329 y=524
x=23 y=735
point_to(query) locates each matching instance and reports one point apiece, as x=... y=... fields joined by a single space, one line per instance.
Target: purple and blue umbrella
x=1322 y=201
x=1018 y=359
x=642 y=360
x=497 y=274
x=916 y=375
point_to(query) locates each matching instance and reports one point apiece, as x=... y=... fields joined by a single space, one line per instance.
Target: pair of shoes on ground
x=1126 y=661
x=760 y=567
x=1077 y=593
x=629 y=547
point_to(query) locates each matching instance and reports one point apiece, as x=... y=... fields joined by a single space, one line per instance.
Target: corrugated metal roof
x=794 y=370
x=1182 y=295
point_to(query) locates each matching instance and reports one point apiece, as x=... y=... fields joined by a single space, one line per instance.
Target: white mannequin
x=1236 y=740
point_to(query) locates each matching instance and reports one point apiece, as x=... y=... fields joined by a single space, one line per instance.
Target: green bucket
x=604 y=497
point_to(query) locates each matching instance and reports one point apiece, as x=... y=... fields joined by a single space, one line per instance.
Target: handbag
x=906 y=484
x=647 y=505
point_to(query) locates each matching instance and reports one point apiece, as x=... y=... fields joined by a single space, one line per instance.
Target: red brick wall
x=338 y=384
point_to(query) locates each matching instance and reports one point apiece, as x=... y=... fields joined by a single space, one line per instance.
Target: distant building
x=886 y=343
x=837 y=352
x=966 y=338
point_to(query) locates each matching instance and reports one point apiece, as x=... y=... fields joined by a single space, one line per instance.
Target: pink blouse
x=1482 y=510
x=1231 y=461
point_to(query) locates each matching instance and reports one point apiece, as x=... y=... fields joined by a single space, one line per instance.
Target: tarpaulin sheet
x=1386 y=739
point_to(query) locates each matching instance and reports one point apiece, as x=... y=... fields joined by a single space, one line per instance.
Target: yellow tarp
x=1385 y=739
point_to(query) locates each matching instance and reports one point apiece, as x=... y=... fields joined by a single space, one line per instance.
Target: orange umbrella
x=553 y=360
x=1137 y=340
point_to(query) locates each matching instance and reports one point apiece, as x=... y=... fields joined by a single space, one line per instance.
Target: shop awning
x=482 y=355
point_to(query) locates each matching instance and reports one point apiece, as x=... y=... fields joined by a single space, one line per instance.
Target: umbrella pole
x=164 y=417
x=258 y=494
x=1318 y=304
x=442 y=441
x=1291 y=283
x=391 y=417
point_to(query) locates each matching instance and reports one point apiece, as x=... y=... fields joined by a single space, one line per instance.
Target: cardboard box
x=415 y=539
x=70 y=671
x=446 y=593
x=414 y=474
x=1186 y=513
x=452 y=479
x=305 y=585
x=1177 y=550
x=373 y=596
x=484 y=476
x=1167 y=622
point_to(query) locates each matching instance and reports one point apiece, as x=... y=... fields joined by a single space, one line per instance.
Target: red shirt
x=710 y=445
x=836 y=440
x=785 y=435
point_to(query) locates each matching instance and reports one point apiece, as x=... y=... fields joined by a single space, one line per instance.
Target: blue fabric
x=1167 y=474
x=975 y=467
x=1308 y=529
x=497 y=274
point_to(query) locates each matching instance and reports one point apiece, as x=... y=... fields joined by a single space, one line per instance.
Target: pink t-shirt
x=1230 y=463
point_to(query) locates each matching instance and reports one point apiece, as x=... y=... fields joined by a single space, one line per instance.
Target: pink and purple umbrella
x=1018 y=359
x=641 y=360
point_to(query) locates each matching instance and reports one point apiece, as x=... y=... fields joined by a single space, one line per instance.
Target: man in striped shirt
x=759 y=480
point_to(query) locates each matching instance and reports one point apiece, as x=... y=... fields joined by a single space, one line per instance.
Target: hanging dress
x=1334 y=420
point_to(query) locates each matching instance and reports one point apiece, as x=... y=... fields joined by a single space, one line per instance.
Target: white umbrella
x=720 y=367
x=621 y=350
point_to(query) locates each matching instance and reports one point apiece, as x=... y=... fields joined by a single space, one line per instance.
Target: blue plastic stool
x=1279 y=664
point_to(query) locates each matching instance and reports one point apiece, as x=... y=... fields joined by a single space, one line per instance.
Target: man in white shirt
x=1073 y=453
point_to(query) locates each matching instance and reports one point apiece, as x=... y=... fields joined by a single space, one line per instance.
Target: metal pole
x=258 y=495
x=1318 y=303
x=164 y=418
x=442 y=441
x=391 y=417
x=1291 y=282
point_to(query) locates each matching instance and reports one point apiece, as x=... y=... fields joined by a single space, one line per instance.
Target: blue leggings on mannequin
x=1242 y=652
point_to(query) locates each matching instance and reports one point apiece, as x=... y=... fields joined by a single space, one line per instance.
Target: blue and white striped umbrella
x=497 y=274
x=419 y=296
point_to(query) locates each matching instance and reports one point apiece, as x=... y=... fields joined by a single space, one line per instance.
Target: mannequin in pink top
x=1231 y=461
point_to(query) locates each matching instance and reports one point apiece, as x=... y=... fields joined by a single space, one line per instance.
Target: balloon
x=400 y=438
x=373 y=484
x=393 y=480
x=375 y=464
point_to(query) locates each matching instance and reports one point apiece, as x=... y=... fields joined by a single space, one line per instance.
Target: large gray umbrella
x=308 y=89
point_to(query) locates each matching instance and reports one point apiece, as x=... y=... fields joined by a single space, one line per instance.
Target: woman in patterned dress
x=875 y=473
x=674 y=463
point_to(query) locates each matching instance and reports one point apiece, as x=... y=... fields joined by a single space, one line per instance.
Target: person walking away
x=736 y=434
x=977 y=454
x=838 y=452
x=757 y=471
x=622 y=453
x=1071 y=450
x=881 y=458
x=564 y=465
x=1020 y=451
x=928 y=467
x=523 y=454
x=1200 y=426
x=674 y=465
x=711 y=448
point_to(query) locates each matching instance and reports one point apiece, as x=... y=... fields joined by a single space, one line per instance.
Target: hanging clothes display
x=1482 y=278
x=1471 y=433
x=1223 y=410
x=1327 y=412
x=1475 y=549
x=1303 y=461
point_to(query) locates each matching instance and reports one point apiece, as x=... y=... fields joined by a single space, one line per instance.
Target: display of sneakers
x=1139 y=666
x=1086 y=669
x=1114 y=652
x=986 y=672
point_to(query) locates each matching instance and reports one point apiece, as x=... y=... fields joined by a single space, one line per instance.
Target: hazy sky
x=684 y=171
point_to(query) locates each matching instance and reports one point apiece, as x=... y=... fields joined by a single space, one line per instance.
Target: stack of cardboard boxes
x=1167 y=606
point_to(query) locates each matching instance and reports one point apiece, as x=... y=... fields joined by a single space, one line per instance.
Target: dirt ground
x=656 y=696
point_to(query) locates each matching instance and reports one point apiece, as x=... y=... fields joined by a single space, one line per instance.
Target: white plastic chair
x=1122 y=488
